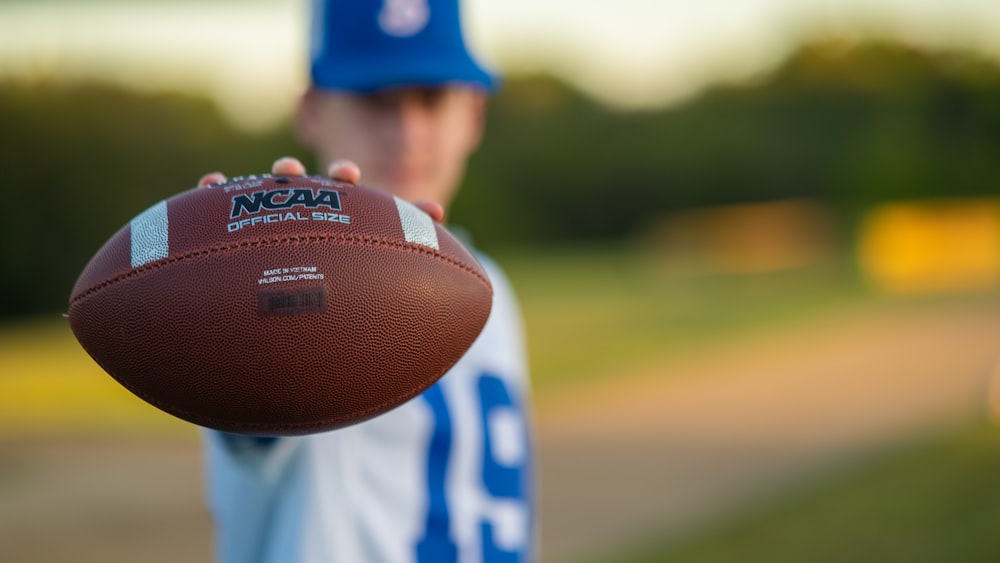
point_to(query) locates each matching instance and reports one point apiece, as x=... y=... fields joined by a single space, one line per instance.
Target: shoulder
x=496 y=273
x=501 y=345
x=505 y=303
x=498 y=279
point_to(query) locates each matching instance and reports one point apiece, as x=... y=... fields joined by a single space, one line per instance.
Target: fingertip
x=344 y=170
x=432 y=208
x=288 y=166
x=211 y=178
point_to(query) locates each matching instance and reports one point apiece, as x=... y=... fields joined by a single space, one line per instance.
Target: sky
x=249 y=55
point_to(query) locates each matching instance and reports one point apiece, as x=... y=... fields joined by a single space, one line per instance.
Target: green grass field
x=599 y=312
x=588 y=313
x=937 y=502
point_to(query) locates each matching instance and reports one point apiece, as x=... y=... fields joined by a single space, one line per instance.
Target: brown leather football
x=279 y=305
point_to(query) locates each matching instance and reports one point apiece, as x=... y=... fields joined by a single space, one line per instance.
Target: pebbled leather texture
x=283 y=306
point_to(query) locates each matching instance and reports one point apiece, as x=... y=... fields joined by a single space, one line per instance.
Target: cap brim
x=370 y=76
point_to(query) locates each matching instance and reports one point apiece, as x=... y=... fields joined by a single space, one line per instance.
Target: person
x=448 y=476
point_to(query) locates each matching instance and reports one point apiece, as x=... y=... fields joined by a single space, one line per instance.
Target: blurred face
x=411 y=142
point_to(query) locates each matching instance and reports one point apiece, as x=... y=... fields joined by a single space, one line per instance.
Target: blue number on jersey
x=437 y=544
x=502 y=482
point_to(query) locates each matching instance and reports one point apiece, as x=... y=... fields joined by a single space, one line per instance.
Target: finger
x=434 y=209
x=288 y=166
x=345 y=171
x=211 y=178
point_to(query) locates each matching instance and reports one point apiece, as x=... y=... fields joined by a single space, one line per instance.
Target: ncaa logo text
x=275 y=200
x=281 y=202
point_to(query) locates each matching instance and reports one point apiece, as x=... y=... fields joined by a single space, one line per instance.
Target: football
x=279 y=305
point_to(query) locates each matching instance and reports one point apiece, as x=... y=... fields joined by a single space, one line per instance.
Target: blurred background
x=757 y=244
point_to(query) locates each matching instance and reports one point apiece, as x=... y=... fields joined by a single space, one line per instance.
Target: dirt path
x=664 y=456
x=619 y=465
x=120 y=501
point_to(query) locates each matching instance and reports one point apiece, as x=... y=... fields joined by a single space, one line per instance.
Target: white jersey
x=446 y=477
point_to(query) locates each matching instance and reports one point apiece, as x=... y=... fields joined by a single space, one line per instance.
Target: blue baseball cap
x=368 y=45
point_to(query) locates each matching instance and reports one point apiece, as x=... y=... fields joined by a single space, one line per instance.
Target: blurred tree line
x=846 y=124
